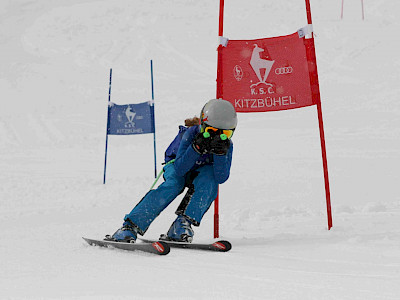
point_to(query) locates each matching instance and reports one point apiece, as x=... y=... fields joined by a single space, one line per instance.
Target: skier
x=203 y=156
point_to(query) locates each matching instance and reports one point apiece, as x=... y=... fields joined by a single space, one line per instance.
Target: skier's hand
x=219 y=146
x=201 y=143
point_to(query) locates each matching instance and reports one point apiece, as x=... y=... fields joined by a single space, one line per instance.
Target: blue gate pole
x=153 y=119
x=108 y=126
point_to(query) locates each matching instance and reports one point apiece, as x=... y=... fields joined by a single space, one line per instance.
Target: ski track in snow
x=54 y=82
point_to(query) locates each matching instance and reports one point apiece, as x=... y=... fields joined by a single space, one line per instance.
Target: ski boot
x=180 y=231
x=127 y=234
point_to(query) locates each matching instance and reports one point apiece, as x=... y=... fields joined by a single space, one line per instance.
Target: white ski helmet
x=219 y=113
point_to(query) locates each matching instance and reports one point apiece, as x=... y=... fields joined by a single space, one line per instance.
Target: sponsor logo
x=238 y=73
x=283 y=70
x=219 y=245
x=158 y=247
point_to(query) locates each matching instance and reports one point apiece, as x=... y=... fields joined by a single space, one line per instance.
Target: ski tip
x=161 y=247
x=87 y=240
x=93 y=242
x=222 y=246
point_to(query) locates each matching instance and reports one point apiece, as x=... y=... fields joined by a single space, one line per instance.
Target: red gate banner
x=269 y=74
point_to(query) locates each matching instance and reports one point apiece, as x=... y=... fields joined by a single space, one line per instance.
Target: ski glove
x=219 y=146
x=201 y=144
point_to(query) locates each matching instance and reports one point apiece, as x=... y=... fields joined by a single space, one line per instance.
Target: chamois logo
x=258 y=63
x=130 y=115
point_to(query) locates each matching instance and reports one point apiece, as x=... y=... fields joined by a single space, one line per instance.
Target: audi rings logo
x=283 y=70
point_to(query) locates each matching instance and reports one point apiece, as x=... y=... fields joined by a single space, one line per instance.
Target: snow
x=55 y=58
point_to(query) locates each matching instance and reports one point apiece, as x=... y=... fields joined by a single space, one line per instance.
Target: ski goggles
x=212 y=131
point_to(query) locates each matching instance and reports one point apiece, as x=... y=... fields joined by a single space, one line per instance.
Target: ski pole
x=161 y=172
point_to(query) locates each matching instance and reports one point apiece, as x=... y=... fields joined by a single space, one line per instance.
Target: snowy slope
x=55 y=58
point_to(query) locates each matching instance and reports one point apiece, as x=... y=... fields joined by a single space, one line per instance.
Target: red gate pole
x=216 y=216
x=325 y=164
x=362 y=9
x=341 y=15
x=219 y=96
x=314 y=80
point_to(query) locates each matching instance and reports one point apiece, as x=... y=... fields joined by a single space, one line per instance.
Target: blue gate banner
x=130 y=119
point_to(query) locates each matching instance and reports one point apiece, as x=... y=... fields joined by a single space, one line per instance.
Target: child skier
x=203 y=156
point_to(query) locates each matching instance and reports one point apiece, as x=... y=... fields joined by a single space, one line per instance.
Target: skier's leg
x=204 y=192
x=155 y=201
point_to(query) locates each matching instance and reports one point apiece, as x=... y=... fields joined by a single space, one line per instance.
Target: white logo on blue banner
x=130 y=119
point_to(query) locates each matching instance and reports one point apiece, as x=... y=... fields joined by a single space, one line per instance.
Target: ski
x=219 y=246
x=156 y=247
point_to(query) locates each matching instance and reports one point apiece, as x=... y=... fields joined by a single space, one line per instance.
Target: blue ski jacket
x=188 y=159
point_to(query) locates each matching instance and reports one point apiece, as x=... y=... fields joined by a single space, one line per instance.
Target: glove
x=201 y=143
x=219 y=146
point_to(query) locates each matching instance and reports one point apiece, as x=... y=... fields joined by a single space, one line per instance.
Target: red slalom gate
x=271 y=74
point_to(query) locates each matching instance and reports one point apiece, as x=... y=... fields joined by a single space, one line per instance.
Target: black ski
x=219 y=246
x=156 y=247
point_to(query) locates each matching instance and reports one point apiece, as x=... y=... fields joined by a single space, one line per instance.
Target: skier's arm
x=186 y=156
x=222 y=165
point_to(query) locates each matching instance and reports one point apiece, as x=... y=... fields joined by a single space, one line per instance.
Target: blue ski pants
x=204 y=190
